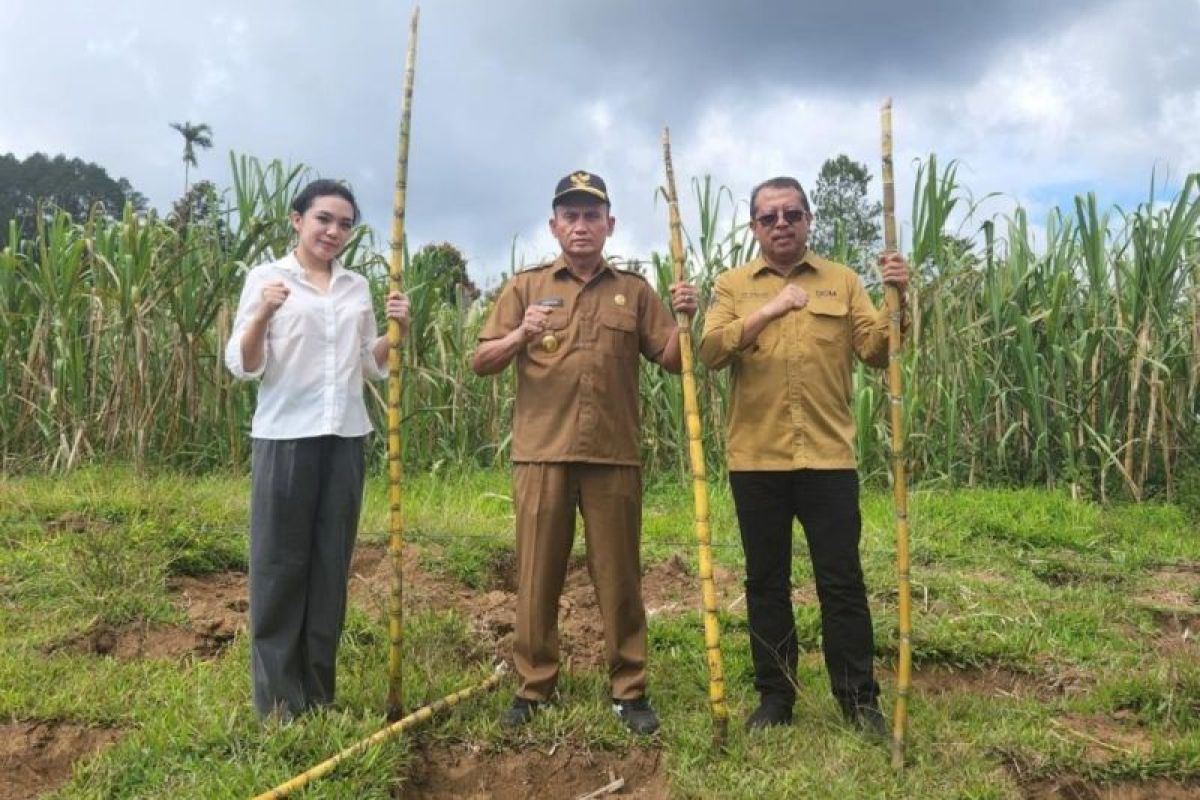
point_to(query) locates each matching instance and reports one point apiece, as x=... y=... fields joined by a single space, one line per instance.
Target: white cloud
x=1090 y=94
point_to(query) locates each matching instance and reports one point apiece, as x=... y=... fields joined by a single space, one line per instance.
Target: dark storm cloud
x=511 y=95
x=513 y=81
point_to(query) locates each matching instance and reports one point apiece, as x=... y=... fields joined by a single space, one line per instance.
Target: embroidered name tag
x=551 y=302
x=825 y=293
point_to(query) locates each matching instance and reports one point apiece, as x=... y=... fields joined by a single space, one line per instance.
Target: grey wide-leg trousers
x=305 y=498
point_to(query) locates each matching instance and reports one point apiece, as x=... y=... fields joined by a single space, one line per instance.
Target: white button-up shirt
x=318 y=353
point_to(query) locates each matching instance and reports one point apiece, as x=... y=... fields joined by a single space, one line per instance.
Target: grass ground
x=1054 y=643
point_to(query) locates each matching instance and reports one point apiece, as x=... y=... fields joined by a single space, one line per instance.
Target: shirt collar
x=809 y=259
x=293 y=265
x=560 y=268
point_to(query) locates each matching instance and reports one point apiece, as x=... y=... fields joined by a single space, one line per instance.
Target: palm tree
x=193 y=136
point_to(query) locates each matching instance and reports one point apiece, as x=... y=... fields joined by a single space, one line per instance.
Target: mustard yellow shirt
x=791 y=387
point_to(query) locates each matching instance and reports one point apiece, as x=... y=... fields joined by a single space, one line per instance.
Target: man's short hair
x=782 y=182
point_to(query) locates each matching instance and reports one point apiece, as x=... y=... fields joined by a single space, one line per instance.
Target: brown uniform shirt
x=790 y=405
x=579 y=401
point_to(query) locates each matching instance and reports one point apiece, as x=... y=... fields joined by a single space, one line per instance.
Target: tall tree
x=33 y=186
x=194 y=136
x=444 y=268
x=846 y=225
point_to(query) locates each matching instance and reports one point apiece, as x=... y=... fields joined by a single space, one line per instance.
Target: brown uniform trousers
x=576 y=446
x=609 y=498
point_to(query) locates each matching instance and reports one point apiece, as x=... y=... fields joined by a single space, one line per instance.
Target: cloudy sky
x=1039 y=99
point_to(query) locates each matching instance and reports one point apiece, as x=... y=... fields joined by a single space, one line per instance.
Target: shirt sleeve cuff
x=371 y=367
x=731 y=337
x=233 y=360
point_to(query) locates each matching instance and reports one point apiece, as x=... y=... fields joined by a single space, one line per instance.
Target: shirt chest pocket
x=286 y=324
x=829 y=320
x=617 y=334
x=553 y=341
x=763 y=345
x=359 y=317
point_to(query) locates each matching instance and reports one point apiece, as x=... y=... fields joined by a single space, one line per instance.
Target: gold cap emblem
x=581 y=180
x=619 y=299
x=550 y=343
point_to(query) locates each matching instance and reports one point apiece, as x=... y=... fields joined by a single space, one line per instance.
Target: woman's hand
x=397 y=309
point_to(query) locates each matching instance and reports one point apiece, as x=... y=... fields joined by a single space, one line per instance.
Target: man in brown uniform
x=789 y=324
x=575 y=328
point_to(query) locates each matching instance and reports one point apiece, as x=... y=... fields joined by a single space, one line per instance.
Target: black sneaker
x=637 y=714
x=519 y=713
x=868 y=719
x=771 y=713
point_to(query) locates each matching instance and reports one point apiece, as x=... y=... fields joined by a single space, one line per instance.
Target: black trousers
x=304 y=505
x=826 y=504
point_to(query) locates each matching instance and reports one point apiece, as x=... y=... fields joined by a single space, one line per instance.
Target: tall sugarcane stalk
x=395 y=496
x=899 y=469
x=395 y=729
x=691 y=407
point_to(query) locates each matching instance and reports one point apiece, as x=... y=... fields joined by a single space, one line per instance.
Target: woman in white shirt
x=306 y=328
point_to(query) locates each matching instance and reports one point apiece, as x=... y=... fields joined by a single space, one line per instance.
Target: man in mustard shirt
x=788 y=325
x=575 y=329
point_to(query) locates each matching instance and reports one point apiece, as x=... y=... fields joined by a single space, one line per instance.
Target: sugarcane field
x=588 y=400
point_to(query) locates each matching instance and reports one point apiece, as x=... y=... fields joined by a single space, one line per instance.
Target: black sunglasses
x=791 y=217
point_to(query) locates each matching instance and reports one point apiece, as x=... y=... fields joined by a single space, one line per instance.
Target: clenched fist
x=894 y=270
x=683 y=298
x=790 y=298
x=273 y=296
x=534 y=322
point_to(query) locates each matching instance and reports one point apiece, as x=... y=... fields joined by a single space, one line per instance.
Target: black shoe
x=637 y=714
x=770 y=713
x=868 y=719
x=519 y=713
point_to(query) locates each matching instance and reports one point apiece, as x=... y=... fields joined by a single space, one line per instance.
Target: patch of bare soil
x=1171 y=595
x=673 y=587
x=371 y=582
x=667 y=588
x=216 y=604
x=1070 y=787
x=987 y=682
x=565 y=771
x=136 y=641
x=36 y=757
x=1105 y=737
x=216 y=607
x=935 y=680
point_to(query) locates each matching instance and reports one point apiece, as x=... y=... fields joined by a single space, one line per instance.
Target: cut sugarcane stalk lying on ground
x=395 y=729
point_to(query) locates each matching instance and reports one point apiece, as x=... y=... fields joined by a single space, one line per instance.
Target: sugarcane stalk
x=395 y=472
x=1143 y=347
x=899 y=469
x=691 y=408
x=395 y=729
